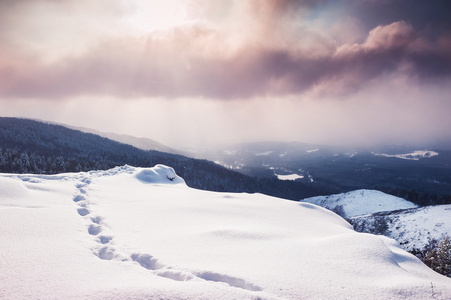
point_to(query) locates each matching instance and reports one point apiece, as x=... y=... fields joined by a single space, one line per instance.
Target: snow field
x=143 y=234
x=289 y=177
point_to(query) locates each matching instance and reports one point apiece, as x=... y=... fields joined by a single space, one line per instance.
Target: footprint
x=81 y=185
x=105 y=253
x=86 y=181
x=103 y=239
x=97 y=220
x=175 y=275
x=232 y=281
x=83 y=211
x=94 y=229
x=146 y=261
x=78 y=198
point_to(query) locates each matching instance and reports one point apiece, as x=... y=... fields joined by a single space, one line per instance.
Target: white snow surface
x=361 y=202
x=289 y=177
x=312 y=150
x=416 y=155
x=266 y=153
x=142 y=233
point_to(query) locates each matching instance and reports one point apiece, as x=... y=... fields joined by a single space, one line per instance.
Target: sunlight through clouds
x=148 y=16
x=231 y=70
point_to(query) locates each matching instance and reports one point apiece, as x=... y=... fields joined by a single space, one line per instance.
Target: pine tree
x=438 y=256
x=444 y=257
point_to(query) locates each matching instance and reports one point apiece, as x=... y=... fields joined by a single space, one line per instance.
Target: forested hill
x=28 y=146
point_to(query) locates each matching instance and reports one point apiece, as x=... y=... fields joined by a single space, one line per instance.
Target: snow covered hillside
x=141 y=233
x=415 y=155
x=360 y=202
x=412 y=228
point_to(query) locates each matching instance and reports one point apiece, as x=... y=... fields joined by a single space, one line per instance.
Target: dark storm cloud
x=432 y=17
x=191 y=63
x=197 y=59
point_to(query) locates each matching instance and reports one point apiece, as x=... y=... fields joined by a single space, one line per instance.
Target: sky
x=198 y=73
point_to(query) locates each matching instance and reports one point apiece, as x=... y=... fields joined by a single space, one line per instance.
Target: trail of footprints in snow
x=106 y=249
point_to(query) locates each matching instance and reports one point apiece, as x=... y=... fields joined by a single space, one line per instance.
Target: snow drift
x=143 y=234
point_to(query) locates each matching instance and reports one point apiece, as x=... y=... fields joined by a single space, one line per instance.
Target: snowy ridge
x=141 y=233
x=416 y=155
x=412 y=228
x=360 y=202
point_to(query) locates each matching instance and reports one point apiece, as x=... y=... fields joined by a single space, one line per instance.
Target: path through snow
x=106 y=248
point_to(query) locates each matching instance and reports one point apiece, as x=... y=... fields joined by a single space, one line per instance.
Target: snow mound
x=106 y=235
x=12 y=188
x=360 y=202
x=159 y=174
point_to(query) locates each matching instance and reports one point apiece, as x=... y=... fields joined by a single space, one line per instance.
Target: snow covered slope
x=360 y=202
x=412 y=228
x=134 y=233
x=415 y=155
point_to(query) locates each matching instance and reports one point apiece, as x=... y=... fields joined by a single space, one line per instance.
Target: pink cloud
x=199 y=59
x=395 y=35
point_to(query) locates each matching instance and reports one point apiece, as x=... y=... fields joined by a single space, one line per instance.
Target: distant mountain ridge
x=140 y=143
x=29 y=146
x=422 y=176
